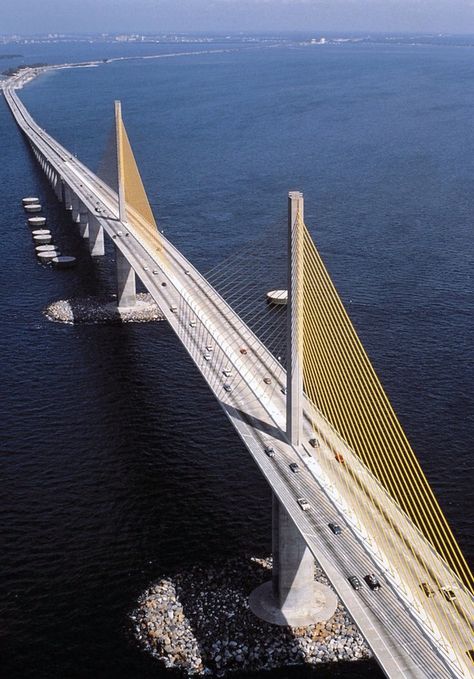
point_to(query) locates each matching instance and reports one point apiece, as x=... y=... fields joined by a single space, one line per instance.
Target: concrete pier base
x=76 y=206
x=67 y=197
x=126 y=283
x=96 y=237
x=293 y=597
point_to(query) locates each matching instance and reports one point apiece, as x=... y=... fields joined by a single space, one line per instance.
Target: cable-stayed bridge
x=360 y=473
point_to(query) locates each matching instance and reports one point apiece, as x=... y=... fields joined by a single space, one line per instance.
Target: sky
x=95 y=16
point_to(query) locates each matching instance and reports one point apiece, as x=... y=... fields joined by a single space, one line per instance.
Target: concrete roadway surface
x=404 y=644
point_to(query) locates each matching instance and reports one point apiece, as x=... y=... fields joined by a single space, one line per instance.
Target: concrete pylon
x=76 y=206
x=67 y=197
x=293 y=597
x=126 y=283
x=83 y=220
x=294 y=337
x=96 y=237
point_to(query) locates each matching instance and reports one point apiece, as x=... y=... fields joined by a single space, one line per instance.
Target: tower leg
x=96 y=237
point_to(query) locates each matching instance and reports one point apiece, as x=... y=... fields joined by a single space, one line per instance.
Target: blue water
x=117 y=465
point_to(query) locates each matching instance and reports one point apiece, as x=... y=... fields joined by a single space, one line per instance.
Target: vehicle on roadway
x=155 y=272
x=448 y=593
x=372 y=581
x=173 y=308
x=336 y=528
x=227 y=387
x=269 y=450
x=339 y=458
x=429 y=591
x=243 y=350
x=267 y=380
x=192 y=323
x=294 y=468
x=145 y=268
x=164 y=284
x=207 y=357
x=283 y=391
x=304 y=504
x=227 y=371
x=355 y=582
x=209 y=347
x=314 y=442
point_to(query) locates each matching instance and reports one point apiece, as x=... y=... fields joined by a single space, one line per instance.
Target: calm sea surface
x=116 y=463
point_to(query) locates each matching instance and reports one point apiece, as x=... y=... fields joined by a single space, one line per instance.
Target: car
x=267 y=380
x=209 y=347
x=448 y=593
x=187 y=272
x=336 y=529
x=269 y=450
x=173 y=308
x=164 y=284
x=155 y=272
x=243 y=350
x=304 y=504
x=127 y=235
x=294 y=468
x=207 y=357
x=227 y=372
x=372 y=581
x=119 y=234
x=339 y=458
x=192 y=323
x=227 y=387
x=314 y=442
x=429 y=591
x=283 y=390
x=145 y=268
x=355 y=582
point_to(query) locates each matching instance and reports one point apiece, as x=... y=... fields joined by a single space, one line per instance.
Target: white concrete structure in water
x=34 y=222
x=34 y=207
x=277 y=297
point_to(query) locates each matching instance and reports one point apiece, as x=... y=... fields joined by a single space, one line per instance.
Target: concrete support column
x=126 y=285
x=96 y=237
x=58 y=188
x=76 y=206
x=293 y=597
x=67 y=197
x=83 y=221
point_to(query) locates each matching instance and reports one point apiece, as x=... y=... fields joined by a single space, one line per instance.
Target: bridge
x=326 y=411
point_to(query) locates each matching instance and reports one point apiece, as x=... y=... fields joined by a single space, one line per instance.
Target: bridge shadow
x=265 y=427
x=202 y=617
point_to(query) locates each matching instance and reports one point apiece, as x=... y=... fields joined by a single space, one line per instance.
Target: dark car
x=270 y=451
x=336 y=529
x=314 y=442
x=372 y=581
x=448 y=593
x=355 y=582
x=429 y=591
x=294 y=468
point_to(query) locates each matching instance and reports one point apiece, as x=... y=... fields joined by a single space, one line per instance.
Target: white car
x=173 y=308
x=227 y=372
x=207 y=357
x=304 y=504
x=192 y=323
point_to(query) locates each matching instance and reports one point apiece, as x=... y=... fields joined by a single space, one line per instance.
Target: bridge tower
x=126 y=281
x=293 y=597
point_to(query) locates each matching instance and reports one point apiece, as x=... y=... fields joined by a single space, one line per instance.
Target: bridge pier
x=83 y=220
x=293 y=597
x=67 y=198
x=76 y=206
x=126 y=283
x=96 y=237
